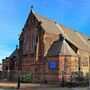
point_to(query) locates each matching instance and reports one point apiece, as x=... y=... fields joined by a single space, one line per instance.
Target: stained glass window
x=52 y=65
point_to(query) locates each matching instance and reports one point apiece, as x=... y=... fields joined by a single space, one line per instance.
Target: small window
x=52 y=65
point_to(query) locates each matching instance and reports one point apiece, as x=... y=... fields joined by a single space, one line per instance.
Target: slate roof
x=76 y=38
x=60 y=47
x=48 y=25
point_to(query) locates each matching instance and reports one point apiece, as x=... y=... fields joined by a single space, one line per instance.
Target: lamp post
x=79 y=66
x=89 y=60
x=65 y=65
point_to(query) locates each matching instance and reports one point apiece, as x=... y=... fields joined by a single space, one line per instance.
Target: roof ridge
x=14 y=52
x=82 y=33
x=65 y=43
x=68 y=27
x=44 y=17
x=72 y=29
x=56 y=28
x=53 y=21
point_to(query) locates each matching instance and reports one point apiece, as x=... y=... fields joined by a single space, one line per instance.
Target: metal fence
x=9 y=79
x=73 y=80
x=8 y=76
x=17 y=77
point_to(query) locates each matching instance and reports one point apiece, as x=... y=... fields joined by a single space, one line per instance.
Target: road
x=57 y=89
x=50 y=89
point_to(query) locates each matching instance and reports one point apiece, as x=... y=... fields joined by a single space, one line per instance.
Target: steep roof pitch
x=76 y=38
x=48 y=25
x=60 y=47
x=14 y=54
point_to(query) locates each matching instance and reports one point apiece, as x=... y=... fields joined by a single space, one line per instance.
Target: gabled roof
x=14 y=54
x=48 y=25
x=60 y=47
x=76 y=38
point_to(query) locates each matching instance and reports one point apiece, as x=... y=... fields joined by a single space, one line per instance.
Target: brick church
x=49 y=50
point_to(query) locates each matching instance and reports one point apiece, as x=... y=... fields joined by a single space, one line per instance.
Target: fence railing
x=20 y=77
x=8 y=76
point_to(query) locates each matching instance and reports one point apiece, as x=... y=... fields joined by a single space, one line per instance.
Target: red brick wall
x=60 y=68
x=55 y=76
x=28 y=58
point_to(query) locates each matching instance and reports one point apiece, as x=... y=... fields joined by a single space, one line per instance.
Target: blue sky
x=13 y=14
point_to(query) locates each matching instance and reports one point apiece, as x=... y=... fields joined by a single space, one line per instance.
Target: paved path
x=57 y=89
x=36 y=87
x=8 y=84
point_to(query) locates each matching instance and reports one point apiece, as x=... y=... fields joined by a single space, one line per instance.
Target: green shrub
x=26 y=78
x=77 y=76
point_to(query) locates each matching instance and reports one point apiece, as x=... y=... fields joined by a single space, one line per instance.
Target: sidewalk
x=56 y=88
x=25 y=86
x=8 y=85
x=37 y=85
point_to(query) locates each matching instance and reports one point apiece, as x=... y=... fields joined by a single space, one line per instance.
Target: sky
x=13 y=15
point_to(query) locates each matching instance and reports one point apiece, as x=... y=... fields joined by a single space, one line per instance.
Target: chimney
x=16 y=46
x=7 y=57
x=61 y=37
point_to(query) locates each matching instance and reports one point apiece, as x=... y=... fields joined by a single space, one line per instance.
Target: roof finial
x=32 y=7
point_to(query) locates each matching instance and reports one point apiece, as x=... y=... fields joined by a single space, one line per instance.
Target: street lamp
x=79 y=66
